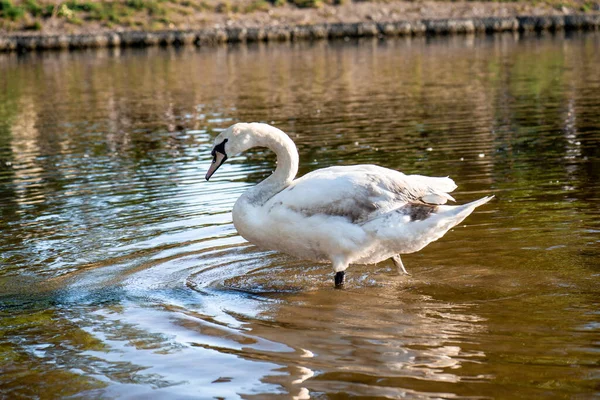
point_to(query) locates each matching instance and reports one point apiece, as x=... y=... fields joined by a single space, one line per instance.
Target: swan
x=360 y=214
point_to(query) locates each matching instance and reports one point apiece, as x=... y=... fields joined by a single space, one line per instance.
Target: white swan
x=360 y=214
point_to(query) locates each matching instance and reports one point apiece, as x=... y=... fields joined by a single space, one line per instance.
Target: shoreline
x=277 y=33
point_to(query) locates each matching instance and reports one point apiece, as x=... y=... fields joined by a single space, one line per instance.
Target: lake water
x=122 y=276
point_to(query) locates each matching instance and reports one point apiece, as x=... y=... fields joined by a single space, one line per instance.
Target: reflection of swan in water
x=359 y=214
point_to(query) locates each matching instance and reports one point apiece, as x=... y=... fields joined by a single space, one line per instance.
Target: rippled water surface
x=121 y=274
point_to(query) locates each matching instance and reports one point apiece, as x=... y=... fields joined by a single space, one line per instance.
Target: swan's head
x=233 y=140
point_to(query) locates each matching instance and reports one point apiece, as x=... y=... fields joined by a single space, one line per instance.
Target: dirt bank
x=288 y=22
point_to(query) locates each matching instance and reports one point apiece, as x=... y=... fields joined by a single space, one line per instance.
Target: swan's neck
x=287 y=165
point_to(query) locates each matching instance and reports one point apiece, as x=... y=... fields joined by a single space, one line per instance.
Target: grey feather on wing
x=354 y=209
x=417 y=212
x=422 y=189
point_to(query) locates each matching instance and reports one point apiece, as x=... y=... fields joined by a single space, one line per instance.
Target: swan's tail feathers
x=479 y=202
x=463 y=211
x=408 y=237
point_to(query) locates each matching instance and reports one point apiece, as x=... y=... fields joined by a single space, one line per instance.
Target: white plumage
x=360 y=214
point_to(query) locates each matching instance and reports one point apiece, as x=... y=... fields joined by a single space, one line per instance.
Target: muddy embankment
x=16 y=42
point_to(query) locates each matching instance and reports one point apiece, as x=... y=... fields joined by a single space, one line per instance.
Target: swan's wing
x=360 y=192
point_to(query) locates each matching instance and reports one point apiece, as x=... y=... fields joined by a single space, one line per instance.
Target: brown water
x=121 y=275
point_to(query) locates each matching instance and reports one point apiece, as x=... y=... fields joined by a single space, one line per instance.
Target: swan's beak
x=218 y=160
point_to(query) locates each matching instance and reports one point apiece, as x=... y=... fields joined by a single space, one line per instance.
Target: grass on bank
x=161 y=14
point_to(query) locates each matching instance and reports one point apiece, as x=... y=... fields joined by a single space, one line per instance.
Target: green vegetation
x=258 y=5
x=32 y=14
x=160 y=14
x=10 y=11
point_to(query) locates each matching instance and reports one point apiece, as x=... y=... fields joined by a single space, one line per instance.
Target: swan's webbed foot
x=339 y=279
x=398 y=263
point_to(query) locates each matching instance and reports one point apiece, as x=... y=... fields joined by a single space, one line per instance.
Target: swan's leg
x=339 y=279
x=398 y=263
x=339 y=267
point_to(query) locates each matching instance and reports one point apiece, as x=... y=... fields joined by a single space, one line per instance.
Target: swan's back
x=360 y=192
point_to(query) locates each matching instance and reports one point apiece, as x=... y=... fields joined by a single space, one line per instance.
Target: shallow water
x=121 y=274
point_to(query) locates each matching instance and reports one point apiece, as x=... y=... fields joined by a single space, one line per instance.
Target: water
x=121 y=274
